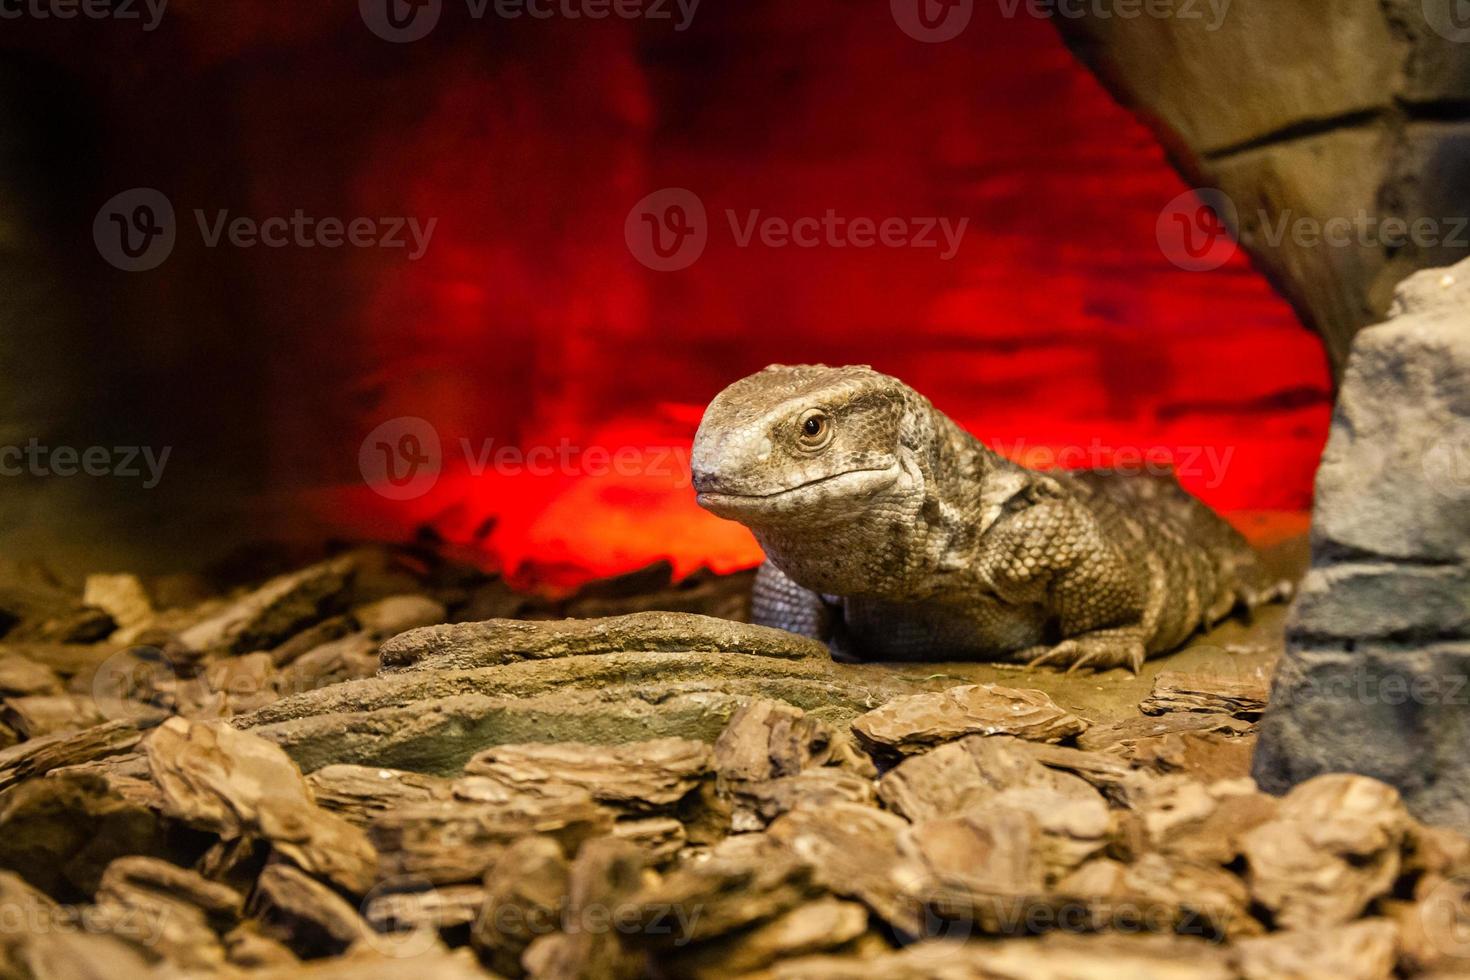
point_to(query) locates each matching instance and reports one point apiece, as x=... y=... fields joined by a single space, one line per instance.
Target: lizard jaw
x=841 y=490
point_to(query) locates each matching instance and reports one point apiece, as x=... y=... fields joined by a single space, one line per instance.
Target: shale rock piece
x=822 y=925
x=42 y=755
x=1365 y=950
x=264 y=617
x=856 y=853
x=636 y=776
x=983 y=799
x=305 y=914
x=577 y=688
x=911 y=724
x=235 y=784
x=500 y=641
x=61 y=833
x=744 y=881
x=1378 y=645
x=525 y=896
x=361 y=793
x=1334 y=846
x=1242 y=697
x=458 y=840
x=603 y=880
x=772 y=757
x=1054 y=957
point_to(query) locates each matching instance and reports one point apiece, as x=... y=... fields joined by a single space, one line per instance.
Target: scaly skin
x=893 y=534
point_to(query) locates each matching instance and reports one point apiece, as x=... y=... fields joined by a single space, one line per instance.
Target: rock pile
x=733 y=805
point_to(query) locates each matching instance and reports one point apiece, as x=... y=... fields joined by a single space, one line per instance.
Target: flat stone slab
x=505 y=641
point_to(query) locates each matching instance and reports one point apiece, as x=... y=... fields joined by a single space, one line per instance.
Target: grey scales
x=891 y=533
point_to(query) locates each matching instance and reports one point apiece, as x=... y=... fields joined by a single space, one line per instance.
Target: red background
x=528 y=322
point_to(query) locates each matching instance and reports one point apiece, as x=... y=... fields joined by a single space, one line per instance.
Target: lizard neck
x=916 y=541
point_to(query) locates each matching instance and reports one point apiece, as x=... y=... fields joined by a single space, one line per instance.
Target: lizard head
x=806 y=444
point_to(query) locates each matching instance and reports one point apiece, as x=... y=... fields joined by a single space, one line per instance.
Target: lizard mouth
x=847 y=485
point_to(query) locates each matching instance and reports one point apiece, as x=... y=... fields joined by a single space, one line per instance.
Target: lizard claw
x=1061 y=650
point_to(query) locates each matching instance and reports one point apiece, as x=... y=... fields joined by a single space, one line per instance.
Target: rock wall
x=1302 y=112
x=1378 y=644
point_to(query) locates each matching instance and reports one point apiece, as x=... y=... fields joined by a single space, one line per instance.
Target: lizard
x=891 y=533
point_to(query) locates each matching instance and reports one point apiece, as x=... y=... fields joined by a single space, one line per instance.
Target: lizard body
x=893 y=534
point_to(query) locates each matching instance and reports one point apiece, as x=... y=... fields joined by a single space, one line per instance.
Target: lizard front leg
x=776 y=600
x=1100 y=605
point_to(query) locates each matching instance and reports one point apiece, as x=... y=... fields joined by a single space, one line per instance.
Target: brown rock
x=305 y=914
x=1159 y=894
x=855 y=852
x=757 y=804
x=501 y=641
x=772 y=756
x=234 y=783
x=1124 y=736
x=123 y=598
x=262 y=618
x=605 y=876
x=743 y=881
x=129 y=877
x=1333 y=848
x=910 y=724
x=403 y=914
x=458 y=840
x=50 y=714
x=394 y=614
x=361 y=793
x=525 y=898
x=661 y=838
x=348 y=658
x=635 y=776
x=995 y=778
x=61 y=832
x=1205 y=822
x=819 y=926
x=1239 y=697
x=20 y=676
x=42 y=755
x=1366 y=950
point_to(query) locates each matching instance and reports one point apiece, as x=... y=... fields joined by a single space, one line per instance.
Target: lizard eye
x=816 y=430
